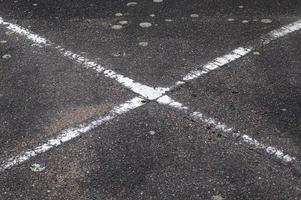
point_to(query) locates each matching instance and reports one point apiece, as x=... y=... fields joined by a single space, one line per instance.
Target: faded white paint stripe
x=166 y=100
x=71 y=133
x=216 y=63
x=281 y=32
x=26 y=33
x=239 y=52
x=143 y=90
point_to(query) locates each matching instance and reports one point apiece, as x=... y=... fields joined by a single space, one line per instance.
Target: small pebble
x=152 y=15
x=37 y=168
x=123 y=22
x=152 y=132
x=6 y=56
x=266 y=21
x=168 y=20
x=118 y=14
x=217 y=197
x=157 y=1
x=131 y=3
x=244 y=21
x=145 y=24
x=116 y=27
x=143 y=44
x=240 y=6
x=194 y=15
x=230 y=20
x=35 y=4
x=256 y=53
x=3 y=42
x=118 y=54
x=284 y=109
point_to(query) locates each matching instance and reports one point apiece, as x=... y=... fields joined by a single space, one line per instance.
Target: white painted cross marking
x=145 y=91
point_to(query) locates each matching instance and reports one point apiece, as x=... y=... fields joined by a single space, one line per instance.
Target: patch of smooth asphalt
x=151 y=153
x=174 y=48
x=259 y=95
x=42 y=94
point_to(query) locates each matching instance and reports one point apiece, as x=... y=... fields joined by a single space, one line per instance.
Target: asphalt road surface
x=150 y=99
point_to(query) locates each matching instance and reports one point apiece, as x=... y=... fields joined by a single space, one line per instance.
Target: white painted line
x=281 y=32
x=238 y=53
x=143 y=90
x=71 y=133
x=229 y=130
x=26 y=33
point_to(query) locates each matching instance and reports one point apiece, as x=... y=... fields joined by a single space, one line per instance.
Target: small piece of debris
x=133 y=3
x=194 y=15
x=152 y=132
x=230 y=20
x=157 y=1
x=145 y=24
x=217 y=197
x=37 y=45
x=168 y=20
x=8 y=32
x=143 y=44
x=244 y=21
x=118 y=14
x=284 y=109
x=37 y=168
x=35 y=4
x=118 y=54
x=3 y=41
x=266 y=21
x=256 y=53
x=6 y=56
x=240 y=6
x=116 y=27
x=152 y=15
x=124 y=22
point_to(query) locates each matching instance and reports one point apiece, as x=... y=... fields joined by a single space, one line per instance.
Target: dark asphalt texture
x=123 y=160
x=153 y=152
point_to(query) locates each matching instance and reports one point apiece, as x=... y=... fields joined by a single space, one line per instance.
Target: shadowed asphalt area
x=42 y=94
x=153 y=152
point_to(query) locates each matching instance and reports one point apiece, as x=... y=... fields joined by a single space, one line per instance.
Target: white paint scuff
x=273 y=151
x=71 y=133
